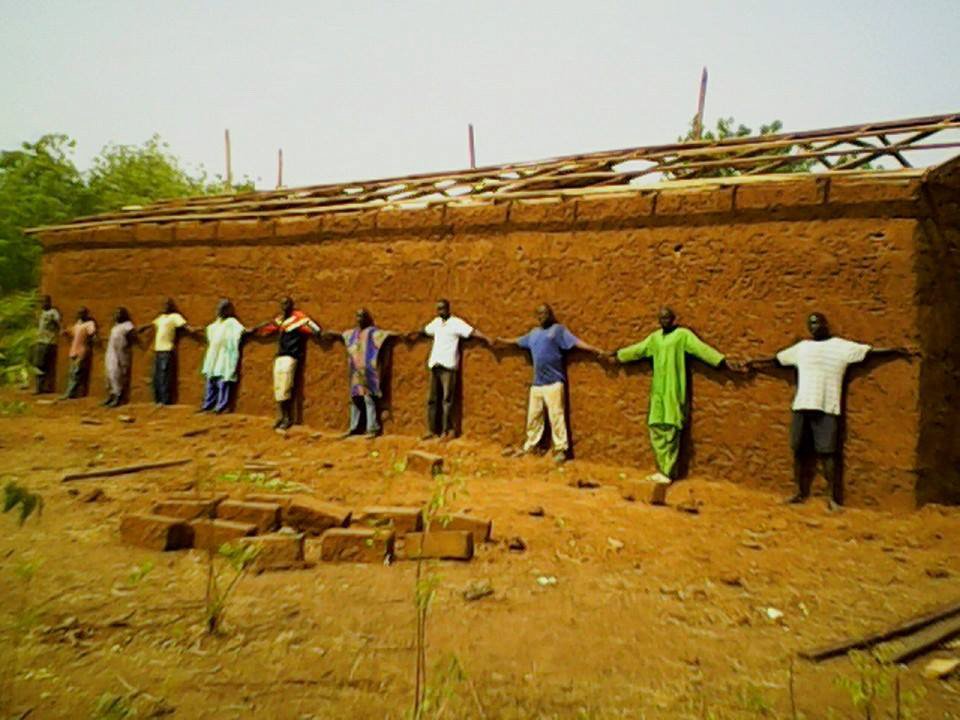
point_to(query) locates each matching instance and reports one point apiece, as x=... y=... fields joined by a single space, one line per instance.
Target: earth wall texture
x=742 y=265
x=938 y=273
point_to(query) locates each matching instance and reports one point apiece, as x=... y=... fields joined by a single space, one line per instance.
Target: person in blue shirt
x=547 y=344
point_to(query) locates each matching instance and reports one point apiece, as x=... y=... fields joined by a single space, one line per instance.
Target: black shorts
x=819 y=427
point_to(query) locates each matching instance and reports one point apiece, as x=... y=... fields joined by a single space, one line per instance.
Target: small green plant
x=445 y=490
x=26 y=569
x=15 y=495
x=260 y=480
x=9 y=408
x=398 y=466
x=870 y=685
x=138 y=573
x=449 y=677
x=113 y=707
x=235 y=561
x=753 y=701
x=18 y=336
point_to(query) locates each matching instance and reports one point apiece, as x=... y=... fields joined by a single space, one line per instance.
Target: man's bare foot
x=797 y=499
x=371 y=435
x=429 y=436
x=448 y=435
x=834 y=506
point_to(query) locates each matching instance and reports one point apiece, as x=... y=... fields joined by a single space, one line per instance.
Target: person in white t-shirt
x=447 y=331
x=165 y=327
x=818 y=404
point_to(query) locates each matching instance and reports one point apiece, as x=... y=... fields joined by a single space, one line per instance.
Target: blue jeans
x=369 y=403
x=217 y=394
x=164 y=377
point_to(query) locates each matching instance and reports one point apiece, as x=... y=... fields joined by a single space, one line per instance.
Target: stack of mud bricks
x=289 y=528
x=381 y=533
x=275 y=524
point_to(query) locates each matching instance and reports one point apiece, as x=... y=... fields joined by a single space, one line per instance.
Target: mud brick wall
x=938 y=304
x=742 y=264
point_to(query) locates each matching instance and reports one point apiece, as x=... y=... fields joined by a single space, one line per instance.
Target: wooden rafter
x=835 y=149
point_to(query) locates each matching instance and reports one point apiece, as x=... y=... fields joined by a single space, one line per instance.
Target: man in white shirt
x=447 y=331
x=817 y=407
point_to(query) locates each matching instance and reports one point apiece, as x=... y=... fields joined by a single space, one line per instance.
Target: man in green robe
x=668 y=348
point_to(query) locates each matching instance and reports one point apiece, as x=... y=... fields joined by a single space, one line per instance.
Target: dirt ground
x=655 y=612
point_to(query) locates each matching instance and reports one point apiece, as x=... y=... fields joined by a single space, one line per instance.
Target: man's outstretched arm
x=486 y=340
x=896 y=351
x=599 y=352
x=630 y=353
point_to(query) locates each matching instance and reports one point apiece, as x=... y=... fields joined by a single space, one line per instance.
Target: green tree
x=140 y=174
x=39 y=185
x=727 y=128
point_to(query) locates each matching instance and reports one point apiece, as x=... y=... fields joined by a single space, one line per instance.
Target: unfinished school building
x=743 y=238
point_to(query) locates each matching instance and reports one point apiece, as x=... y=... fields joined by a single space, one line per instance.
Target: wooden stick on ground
x=905 y=628
x=125 y=470
x=906 y=649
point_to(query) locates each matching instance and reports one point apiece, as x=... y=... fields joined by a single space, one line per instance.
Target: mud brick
x=403 y=519
x=478 y=527
x=645 y=491
x=278 y=551
x=279 y=499
x=424 y=462
x=266 y=516
x=439 y=544
x=214 y=497
x=307 y=514
x=211 y=534
x=185 y=509
x=356 y=545
x=156 y=532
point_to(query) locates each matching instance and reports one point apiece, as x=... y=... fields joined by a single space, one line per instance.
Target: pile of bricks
x=208 y=520
x=291 y=530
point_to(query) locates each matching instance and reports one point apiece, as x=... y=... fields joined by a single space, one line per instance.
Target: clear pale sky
x=355 y=90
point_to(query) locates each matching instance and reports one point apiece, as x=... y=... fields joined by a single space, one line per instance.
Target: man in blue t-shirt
x=547 y=345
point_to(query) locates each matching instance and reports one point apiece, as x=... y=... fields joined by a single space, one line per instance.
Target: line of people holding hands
x=821 y=363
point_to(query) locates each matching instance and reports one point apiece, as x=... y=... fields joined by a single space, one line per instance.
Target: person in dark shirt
x=294 y=327
x=547 y=343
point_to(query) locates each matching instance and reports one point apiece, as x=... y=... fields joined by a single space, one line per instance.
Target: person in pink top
x=82 y=336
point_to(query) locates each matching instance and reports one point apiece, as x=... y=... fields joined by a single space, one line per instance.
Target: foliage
x=26 y=569
x=113 y=707
x=10 y=408
x=237 y=559
x=445 y=490
x=138 y=573
x=17 y=339
x=877 y=679
x=124 y=175
x=727 y=128
x=261 y=481
x=15 y=495
x=41 y=185
x=449 y=676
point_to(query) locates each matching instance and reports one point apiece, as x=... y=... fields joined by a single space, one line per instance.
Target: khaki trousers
x=549 y=398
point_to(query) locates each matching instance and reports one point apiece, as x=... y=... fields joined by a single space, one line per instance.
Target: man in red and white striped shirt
x=294 y=328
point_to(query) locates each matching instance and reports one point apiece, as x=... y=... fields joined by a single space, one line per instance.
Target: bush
x=18 y=322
